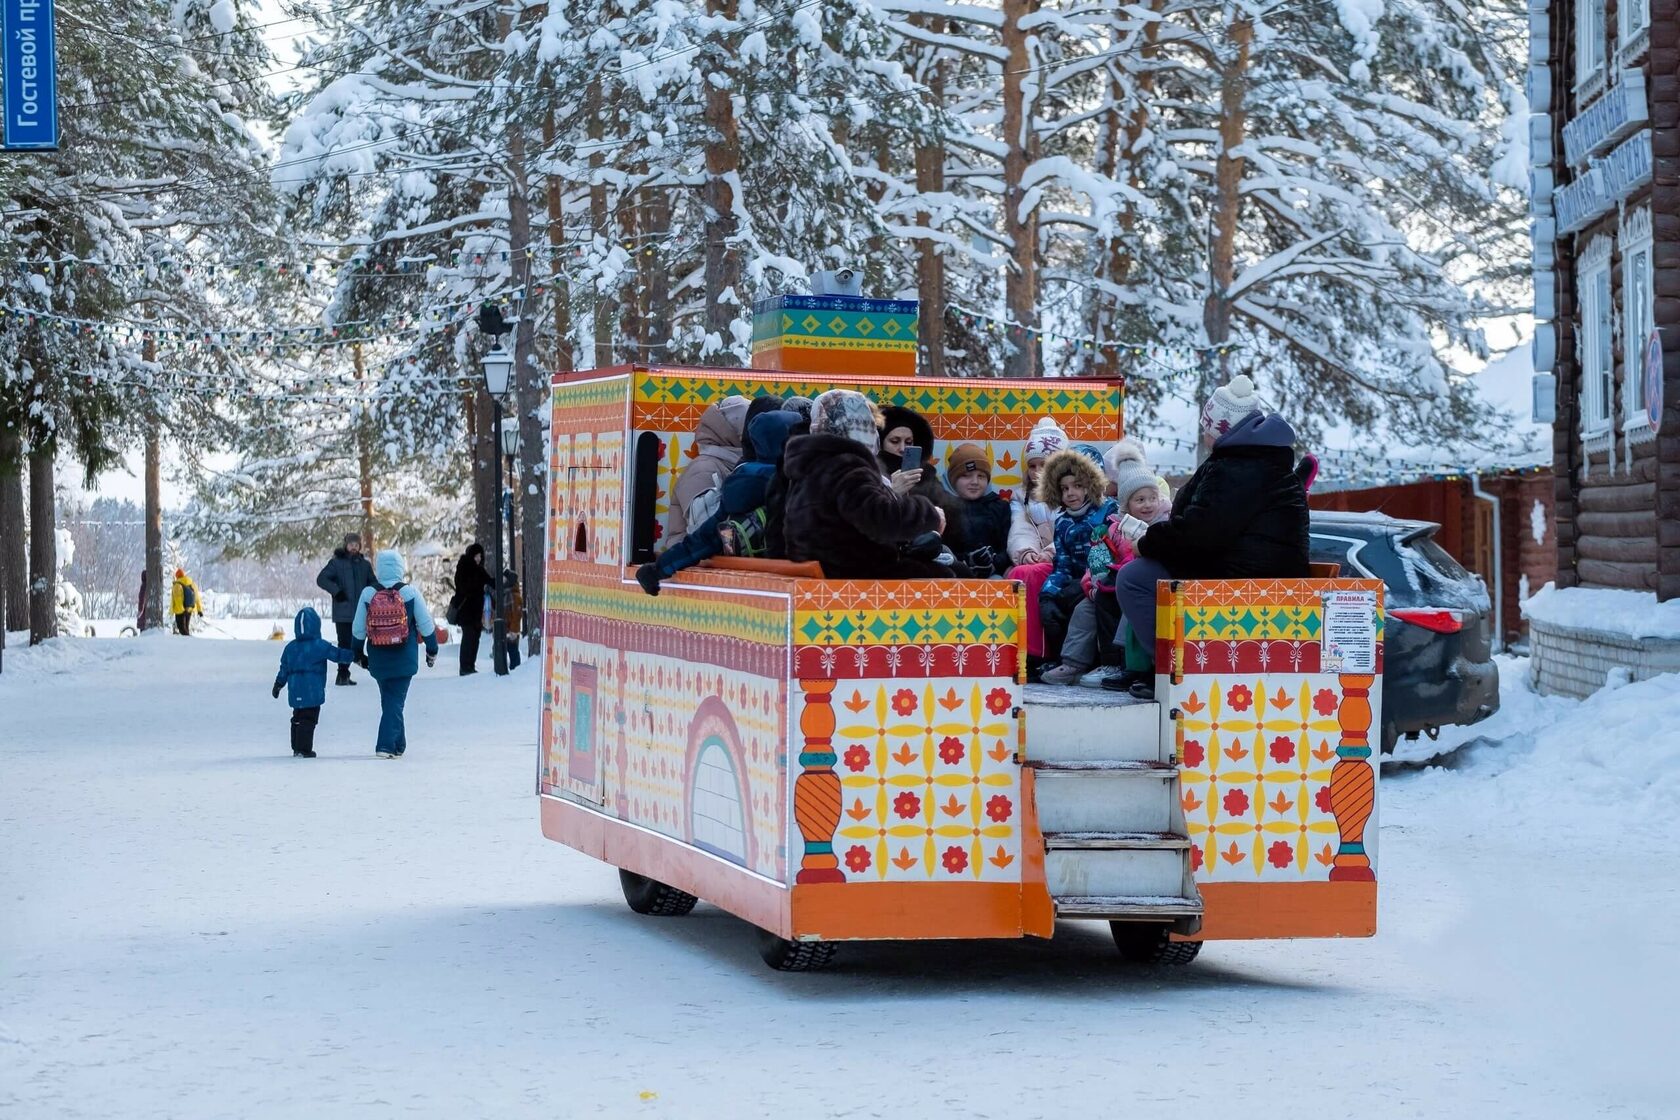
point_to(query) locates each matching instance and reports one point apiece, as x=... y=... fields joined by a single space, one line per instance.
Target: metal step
x=1082 y=723
x=1115 y=841
x=1127 y=906
x=1105 y=796
x=1114 y=873
x=1107 y=767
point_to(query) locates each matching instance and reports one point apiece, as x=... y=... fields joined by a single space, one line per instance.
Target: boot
x=648 y=576
x=344 y=675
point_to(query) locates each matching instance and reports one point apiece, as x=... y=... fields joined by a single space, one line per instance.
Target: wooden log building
x=1604 y=88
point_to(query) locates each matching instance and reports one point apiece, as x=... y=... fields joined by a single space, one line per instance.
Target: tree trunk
x=531 y=395
x=930 y=258
x=723 y=156
x=657 y=274
x=154 y=504
x=1227 y=202
x=600 y=225
x=43 y=549
x=14 y=557
x=557 y=252
x=364 y=455
x=483 y=443
x=1020 y=229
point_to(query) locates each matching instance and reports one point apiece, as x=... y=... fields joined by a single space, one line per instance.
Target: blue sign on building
x=28 y=74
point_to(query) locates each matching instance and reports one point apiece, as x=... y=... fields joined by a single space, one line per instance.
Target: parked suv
x=1437 y=645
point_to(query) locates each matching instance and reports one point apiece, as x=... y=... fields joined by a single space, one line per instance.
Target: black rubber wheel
x=1148 y=943
x=794 y=956
x=650 y=896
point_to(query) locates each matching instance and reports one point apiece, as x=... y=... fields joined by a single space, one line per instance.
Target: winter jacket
x=178 y=597
x=1032 y=526
x=717 y=444
x=471 y=582
x=842 y=514
x=303 y=663
x=1242 y=515
x=1076 y=532
x=979 y=534
x=343 y=578
x=1111 y=553
x=921 y=434
x=388 y=662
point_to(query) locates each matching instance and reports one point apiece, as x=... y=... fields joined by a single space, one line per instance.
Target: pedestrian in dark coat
x=472 y=580
x=345 y=577
x=902 y=428
x=840 y=511
x=1242 y=515
x=303 y=674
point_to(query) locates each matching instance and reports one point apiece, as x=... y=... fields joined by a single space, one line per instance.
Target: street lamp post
x=510 y=451
x=498 y=363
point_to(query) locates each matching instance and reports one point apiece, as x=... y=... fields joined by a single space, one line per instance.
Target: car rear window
x=1438 y=578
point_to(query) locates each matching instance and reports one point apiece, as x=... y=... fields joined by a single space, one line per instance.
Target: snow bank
x=1567 y=764
x=59 y=655
x=1522 y=713
x=1631 y=614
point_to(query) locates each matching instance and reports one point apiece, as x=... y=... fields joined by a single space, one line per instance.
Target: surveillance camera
x=844 y=281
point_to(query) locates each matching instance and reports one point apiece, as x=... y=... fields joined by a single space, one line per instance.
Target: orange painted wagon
x=836 y=760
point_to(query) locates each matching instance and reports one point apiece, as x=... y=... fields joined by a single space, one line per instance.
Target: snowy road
x=194 y=924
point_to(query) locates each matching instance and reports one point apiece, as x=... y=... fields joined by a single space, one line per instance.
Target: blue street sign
x=28 y=74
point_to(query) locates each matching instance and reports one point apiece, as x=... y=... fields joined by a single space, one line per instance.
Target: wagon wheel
x=650 y=896
x=1148 y=943
x=794 y=956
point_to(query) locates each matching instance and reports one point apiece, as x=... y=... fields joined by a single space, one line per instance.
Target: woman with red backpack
x=392 y=619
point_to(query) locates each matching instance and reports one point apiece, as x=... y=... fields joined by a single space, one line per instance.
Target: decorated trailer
x=837 y=760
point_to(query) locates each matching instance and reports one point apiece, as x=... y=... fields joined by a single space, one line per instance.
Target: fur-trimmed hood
x=1061 y=465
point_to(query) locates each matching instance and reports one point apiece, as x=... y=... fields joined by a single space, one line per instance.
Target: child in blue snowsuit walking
x=303 y=674
x=741 y=498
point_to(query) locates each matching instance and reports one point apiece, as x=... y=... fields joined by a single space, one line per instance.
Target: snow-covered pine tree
x=158 y=168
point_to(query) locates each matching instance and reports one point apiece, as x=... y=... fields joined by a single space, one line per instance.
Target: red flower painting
x=1194 y=754
x=904 y=702
x=1195 y=858
x=1280 y=854
x=1324 y=701
x=998 y=701
x=1235 y=802
x=951 y=750
x=955 y=860
x=856 y=758
x=999 y=808
x=1322 y=799
x=857 y=858
x=1282 y=749
x=907 y=805
x=1239 y=698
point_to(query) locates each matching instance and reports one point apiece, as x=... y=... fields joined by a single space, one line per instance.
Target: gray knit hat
x=1129 y=472
x=841 y=412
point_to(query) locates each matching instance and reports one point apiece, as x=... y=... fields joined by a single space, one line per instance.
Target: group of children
x=861 y=484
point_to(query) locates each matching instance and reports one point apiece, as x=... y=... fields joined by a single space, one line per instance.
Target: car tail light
x=1440 y=621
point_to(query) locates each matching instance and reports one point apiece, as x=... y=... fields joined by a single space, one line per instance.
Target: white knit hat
x=1228 y=406
x=841 y=412
x=1046 y=438
x=1125 y=466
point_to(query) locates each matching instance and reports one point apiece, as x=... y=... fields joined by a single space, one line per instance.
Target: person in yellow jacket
x=184 y=602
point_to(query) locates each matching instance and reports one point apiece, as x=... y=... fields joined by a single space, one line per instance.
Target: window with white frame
x=1638 y=313
x=1597 y=364
x=1590 y=47
x=1633 y=21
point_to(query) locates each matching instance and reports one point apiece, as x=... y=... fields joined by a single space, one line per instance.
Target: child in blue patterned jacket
x=1073 y=485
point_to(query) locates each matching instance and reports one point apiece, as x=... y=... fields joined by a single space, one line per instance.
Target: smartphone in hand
x=912 y=458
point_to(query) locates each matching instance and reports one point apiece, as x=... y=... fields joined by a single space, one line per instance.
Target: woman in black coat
x=840 y=512
x=472 y=580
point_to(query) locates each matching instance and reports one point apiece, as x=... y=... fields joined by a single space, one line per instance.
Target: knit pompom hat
x=1046 y=438
x=968 y=458
x=1228 y=405
x=841 y=412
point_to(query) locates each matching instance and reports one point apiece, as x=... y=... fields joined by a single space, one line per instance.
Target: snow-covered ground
x=195 y=924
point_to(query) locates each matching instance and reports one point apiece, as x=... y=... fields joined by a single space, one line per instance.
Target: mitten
x=277 y=690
